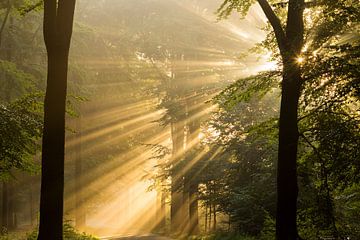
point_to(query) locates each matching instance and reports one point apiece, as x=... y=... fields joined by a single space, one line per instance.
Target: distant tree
x=58 y=23
x=20 y=131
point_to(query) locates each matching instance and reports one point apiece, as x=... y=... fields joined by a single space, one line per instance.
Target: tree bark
x=287 y=188
x=58 y=22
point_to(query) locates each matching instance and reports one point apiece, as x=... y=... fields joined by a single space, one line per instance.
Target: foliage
x=248 y=88
x=228 y=6
x=224 y=236
x=14 y=81
x=30 y=5
x=329 y=125
x=20 y=131
x=69 y=233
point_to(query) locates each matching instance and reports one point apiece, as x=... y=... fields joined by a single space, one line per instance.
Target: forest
x=180 y=119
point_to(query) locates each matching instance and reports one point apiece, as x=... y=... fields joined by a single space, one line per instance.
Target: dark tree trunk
x=290 y=42
x=58 y=21
x=287 y=188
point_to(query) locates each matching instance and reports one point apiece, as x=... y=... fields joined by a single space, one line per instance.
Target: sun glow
x=300 y=60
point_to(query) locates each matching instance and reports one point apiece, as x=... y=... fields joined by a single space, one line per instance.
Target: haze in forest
x=183 y=118
x=134 y=32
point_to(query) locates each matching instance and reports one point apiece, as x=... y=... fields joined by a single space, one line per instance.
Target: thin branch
x=312 y=146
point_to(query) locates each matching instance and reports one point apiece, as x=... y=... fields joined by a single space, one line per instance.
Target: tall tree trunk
x=12 y=221
x=4 y=212
x=31 y=202
x=80 y=217
x=193 y=188
x=177 y=134
x=185 y=216
x=58 y=22
x=161 y=208
x=193 y=208
x=6 y=190
x=287 y=188
x=290 y=42
x=206 y=218
x=210 y=215
x=214 y=217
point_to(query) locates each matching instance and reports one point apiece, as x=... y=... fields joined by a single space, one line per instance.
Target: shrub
x=70 y=233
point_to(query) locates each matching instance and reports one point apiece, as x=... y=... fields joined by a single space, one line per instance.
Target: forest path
x=139 y=237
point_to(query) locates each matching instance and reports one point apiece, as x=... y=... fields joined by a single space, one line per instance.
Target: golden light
x=300 y=60
x=117 y=193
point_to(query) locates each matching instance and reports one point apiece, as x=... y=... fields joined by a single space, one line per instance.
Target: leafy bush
x=224 y=236
x=70 y=233
x=13 y=236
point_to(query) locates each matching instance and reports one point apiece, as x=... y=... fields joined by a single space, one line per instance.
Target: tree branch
x=275 y=23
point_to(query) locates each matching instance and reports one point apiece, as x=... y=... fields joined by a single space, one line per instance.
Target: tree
x=20 y=131
x=323 y=28
x=290 y=43
x=58 y=22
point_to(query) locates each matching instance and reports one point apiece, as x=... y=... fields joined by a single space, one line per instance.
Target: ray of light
x=118 y=168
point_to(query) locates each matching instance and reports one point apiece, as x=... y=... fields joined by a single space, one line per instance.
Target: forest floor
x=138 y=237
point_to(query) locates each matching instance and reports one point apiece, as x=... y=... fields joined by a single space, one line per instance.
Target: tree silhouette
x=58 y=22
